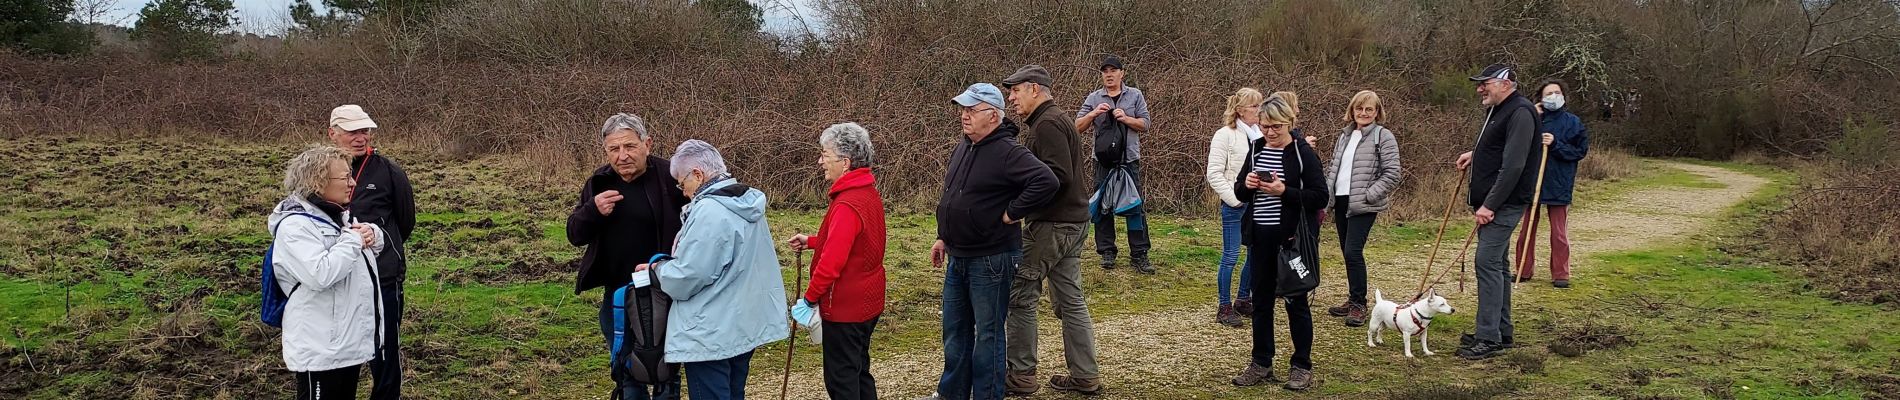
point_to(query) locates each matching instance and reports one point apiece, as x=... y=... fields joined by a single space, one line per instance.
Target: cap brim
x=357 y=124
x=966 y=100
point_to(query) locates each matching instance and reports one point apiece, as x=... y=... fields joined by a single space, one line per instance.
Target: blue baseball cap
x=980 y=93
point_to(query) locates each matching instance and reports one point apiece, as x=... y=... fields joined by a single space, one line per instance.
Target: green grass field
x=129 y=269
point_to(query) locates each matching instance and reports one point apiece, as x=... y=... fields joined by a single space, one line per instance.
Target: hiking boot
x=1021 y=384
x=1340 y=310
x=1141 y=265
x=1228 y=317
x=1255 y=375
x=1299 y=379
x=1481 y=350
x=1560 y=283
x=1108 y=261
x=1471 y=338
x=1244 y=307
x=1086 y=386
x=1356 y=315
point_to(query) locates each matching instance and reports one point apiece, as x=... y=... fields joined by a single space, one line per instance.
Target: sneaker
x=1244 y=307
x=1255 y=375
x=932 y=396
x=1481 y=350
x=1228 y=317
x=1086 y=386
x=1356 y=315
x=1299 y=379
x=1141 y=265
x=1560 y=283
x=1340 y=310
x=1020 y=384
x=1471 y=338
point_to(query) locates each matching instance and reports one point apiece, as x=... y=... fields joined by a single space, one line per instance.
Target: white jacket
x=1226 y=156
x=334 y=312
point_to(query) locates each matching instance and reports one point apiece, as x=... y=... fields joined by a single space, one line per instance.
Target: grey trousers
x=1051 y=253
x=1493 y=270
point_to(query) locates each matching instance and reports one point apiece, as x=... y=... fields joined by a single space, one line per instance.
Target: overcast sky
x=272 y=16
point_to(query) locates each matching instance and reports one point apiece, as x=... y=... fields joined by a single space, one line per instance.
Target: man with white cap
x=383 y=197
x=992 y=183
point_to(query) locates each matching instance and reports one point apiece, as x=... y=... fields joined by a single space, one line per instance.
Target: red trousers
x=1559 y=244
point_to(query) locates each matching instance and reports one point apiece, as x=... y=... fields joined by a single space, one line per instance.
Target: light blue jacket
x=728 y=295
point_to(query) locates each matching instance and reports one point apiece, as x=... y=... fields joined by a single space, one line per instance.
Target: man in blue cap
x=992 y=183
x=1500 y=190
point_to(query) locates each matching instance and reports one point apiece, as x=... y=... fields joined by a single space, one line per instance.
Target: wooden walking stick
x=798 y=283
x=1449 y=203
x=1529 y=237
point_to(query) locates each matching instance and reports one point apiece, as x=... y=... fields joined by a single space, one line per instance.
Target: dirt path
x=1178 y=348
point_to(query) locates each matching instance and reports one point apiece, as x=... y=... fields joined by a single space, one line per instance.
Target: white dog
x=1412 y=319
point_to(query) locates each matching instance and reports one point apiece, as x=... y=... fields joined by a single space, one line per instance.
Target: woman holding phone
x=1283 y=186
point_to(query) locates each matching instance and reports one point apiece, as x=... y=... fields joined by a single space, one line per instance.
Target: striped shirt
x=1266 y=207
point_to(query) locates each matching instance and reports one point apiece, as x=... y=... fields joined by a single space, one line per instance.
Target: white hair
x=624 y=121
x=697 y=154
x=306 y=173
x=849 y=140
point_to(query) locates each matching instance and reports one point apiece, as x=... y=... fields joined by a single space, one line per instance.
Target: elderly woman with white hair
x=847 y=274
x=723 y=275
x=320 y=280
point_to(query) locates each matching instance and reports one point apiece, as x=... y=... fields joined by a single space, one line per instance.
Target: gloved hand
x=804 y=313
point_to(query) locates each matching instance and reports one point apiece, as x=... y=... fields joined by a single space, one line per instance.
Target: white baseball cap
x=350 y=117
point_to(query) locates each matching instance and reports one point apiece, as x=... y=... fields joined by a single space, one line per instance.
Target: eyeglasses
x=971 y=110
x=1276 y=127
x=346 y=178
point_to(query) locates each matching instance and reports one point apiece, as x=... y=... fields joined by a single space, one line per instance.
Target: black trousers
x=1353 y=232
x=385 y=370
x=338 y=383
x=848 y=360
x=1263 y=255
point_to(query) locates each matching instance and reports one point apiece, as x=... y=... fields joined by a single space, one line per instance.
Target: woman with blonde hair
x=1226 y=157
x=1284 y=189
x=1363 y=174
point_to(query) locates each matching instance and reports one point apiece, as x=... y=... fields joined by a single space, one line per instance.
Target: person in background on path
x=326 y=262
x=847 y=270
x=992 y=183
x=385 y=198
x=1226 y=159
x=1283 y=185
x=1501 y=183
x=629 y=210
x=1052 y=245
x=724 y=277
x=1117 y=115
x=1569 y=142
x=1364 y=172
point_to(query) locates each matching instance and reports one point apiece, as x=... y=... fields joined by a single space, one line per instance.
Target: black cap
x=1112 y=61
x=1031 y=73
x=1496 y=71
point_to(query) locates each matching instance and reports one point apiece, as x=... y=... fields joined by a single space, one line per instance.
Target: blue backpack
x=274 y=296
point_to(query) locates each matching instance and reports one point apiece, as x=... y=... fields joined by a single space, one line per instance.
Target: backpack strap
x=273 y=245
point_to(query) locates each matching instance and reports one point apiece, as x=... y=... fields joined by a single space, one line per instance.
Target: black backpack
x=639 y=339
x=1111 y=144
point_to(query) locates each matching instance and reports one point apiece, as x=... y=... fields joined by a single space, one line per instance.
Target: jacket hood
x=292 y=205
x=1006 y=129
x=742 y=200
x=853 y=179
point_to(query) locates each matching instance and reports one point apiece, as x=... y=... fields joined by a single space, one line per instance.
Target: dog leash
x=1450 y=201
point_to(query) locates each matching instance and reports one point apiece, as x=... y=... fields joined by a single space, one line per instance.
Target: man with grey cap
x=1052 y=244
x=1117 y=114
x=382 y=197
x=991 y=184
x=1500 y=191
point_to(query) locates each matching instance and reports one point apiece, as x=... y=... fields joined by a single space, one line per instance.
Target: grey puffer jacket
x=1375 y=169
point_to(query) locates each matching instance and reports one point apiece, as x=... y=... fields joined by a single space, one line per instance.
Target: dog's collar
x=1415 y=316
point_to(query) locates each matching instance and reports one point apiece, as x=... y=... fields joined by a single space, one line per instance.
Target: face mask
x=1554 y=102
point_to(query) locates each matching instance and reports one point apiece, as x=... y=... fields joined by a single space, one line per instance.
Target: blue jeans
x=975 y=304
x=631 y=390
x=719 y=380
x=1230 y=221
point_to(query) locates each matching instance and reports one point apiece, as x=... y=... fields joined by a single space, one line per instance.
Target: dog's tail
x=1378 y=296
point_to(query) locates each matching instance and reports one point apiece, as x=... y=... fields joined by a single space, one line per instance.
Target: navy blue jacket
x=1571 y=143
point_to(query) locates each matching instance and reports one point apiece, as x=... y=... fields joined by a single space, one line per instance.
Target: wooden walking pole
x=1449 y=204
x=798 y=283
x=1528 y=244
